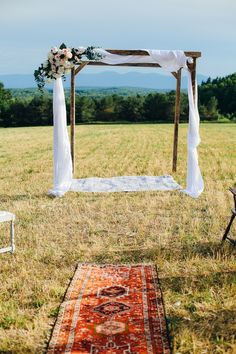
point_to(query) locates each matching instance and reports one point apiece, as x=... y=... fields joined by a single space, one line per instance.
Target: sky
x=29 y=28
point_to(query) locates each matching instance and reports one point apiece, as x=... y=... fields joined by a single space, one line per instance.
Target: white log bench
x=5 y=216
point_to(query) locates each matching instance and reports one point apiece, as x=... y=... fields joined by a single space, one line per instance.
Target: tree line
x=217 y=102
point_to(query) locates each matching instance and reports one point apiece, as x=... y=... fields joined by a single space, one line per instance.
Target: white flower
x=67 y=65
x=57 y=76
x=45 y=64
x=80 y=50
x=50 y=55
x=60 y=70
x=54 y=50
x=67 y=71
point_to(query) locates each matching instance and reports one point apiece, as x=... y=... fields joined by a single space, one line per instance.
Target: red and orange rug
x=111 y=309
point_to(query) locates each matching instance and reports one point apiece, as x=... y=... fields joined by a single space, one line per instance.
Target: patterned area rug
x=125 y=184
x=111 y=309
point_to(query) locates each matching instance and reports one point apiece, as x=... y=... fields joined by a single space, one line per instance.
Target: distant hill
x=105 y=79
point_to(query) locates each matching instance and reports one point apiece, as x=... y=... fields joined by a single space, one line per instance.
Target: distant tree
x=212 y=106
x=130 y=109
x=28 y=107
x=39 y=111
x=5 y=102
x=223 y=89
x=159 y=107
x=85 y=109
x=105 y=109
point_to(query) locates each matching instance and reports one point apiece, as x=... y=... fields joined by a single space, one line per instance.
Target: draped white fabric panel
x=169 y=60
x=195 y=184
x=61 y=145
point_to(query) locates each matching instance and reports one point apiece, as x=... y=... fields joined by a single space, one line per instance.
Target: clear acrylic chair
x=6 y=216
x=225 y=236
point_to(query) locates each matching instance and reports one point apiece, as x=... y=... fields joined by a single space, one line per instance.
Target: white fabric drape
x=61 y=149
x=169 y=60
x=195 y=184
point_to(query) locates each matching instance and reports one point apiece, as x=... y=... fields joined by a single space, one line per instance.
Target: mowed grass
x=179 y=234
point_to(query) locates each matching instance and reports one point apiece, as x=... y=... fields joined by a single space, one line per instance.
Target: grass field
x=179 y=234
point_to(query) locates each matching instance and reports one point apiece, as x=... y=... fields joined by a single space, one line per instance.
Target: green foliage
x=29 y=107
x=7 y=322
x=159 y=107
x=5 y=102
x=218 y=96
x=85 y=109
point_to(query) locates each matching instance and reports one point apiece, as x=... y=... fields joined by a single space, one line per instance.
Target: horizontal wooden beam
x=144 y=65
x=144 y=52
x=194 y=55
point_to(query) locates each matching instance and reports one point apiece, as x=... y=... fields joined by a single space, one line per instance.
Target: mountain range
x=104 y=79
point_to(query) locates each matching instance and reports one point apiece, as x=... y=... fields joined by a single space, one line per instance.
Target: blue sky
x=29 y=28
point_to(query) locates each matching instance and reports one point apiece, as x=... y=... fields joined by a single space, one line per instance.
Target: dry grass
x=181 y=235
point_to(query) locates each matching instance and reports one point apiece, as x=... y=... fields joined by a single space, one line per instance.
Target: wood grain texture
x=176 y=121
x=141 y=65
x=193 y=77
x=72 y=117
x=144 y=52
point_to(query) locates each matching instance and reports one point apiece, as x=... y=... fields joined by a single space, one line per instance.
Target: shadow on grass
x=180 y=252
x=7 y=198
x=21 y=197
x=126 y=256
x=199 y=283
x=205 y=250
x=202 y=318
x=216 y=327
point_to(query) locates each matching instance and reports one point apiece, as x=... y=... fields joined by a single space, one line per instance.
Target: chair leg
x=12 y=237
x=228 y=228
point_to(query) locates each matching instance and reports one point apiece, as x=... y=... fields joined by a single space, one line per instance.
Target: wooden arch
x=177 y=75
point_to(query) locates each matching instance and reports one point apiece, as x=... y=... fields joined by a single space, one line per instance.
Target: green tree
x=223 y=89
x=130 y=109
x=85 y=109
x=5 y=102
x=159 y=107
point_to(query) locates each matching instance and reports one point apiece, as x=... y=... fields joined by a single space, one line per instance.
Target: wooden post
x=72 y=117
x=193 y=77
x=74 y=72
x=176 y=120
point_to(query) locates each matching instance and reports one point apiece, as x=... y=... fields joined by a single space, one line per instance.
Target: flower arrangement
x=60 y=61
